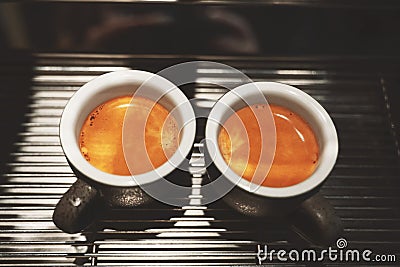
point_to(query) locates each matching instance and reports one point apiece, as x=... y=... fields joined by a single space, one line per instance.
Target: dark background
x=341 y=28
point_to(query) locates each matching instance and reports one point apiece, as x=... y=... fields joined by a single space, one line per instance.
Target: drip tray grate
x=363 y=186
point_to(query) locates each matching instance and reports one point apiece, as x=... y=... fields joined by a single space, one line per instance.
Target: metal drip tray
x=364 y=185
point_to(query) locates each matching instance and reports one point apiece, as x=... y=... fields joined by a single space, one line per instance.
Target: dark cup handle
x=315 y=220
x=77 y=208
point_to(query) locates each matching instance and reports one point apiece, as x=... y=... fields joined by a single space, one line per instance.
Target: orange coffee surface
x=153 y=139
x=296 y=153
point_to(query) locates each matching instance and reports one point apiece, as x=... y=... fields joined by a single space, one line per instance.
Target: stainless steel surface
x=210 y=27
x=363 y=187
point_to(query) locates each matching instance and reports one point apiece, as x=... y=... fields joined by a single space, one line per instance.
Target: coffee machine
x=342 y=53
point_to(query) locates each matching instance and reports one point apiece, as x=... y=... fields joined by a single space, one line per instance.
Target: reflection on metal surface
x=205 y=103
x=194 y=215
x=56 y=79
x=79 y=69
x=211 y=96
x=266 y=72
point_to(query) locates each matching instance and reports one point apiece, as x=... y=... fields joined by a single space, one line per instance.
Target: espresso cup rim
x=327 y=159
x=67 y=127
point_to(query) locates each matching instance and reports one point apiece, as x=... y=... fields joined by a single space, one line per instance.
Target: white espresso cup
x=286 y=96
x=117 y=190
x=301 y=204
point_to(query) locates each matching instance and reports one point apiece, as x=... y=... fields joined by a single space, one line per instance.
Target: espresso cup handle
x=316 y=221
x=77 y=208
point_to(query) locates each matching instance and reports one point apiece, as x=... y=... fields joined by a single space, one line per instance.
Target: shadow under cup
x=298 y=102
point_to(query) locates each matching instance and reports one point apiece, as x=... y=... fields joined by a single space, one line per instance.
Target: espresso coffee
x=153 y=136
x=296 y=152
